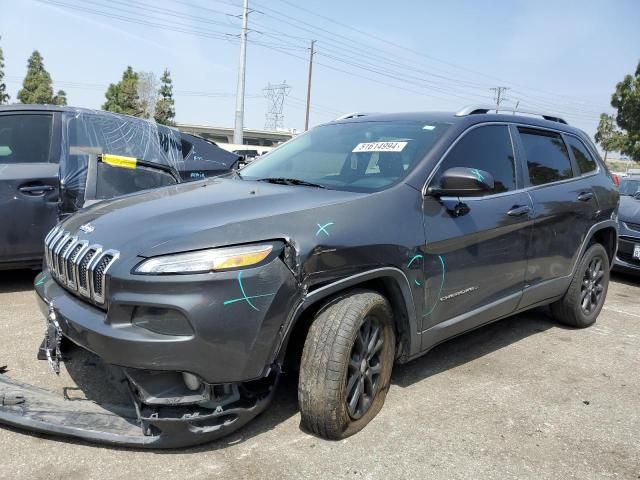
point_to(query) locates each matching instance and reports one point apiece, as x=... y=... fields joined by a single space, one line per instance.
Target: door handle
x=36 y=190
x=518 y=211
x=585 y=196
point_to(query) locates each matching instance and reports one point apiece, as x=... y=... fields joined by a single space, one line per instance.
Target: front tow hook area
x=105 y=408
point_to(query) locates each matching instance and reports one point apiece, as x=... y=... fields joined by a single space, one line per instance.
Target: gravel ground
x=522 y=398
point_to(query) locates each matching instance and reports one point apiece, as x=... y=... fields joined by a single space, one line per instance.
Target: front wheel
x=346 y=365
x=585 y=297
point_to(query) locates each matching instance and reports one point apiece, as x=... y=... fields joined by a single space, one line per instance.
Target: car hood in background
x=629 y=210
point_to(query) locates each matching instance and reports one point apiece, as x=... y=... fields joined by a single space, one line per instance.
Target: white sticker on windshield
x=380 y=147
x=428 y=127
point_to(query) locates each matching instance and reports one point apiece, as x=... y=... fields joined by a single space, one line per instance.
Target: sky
x=562 y=57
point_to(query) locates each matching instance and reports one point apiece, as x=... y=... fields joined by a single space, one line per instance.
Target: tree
x=4 y=96
x=626 y=100
x=607 y=135
x=60 y=98
x=147 y=93
x=36 y=87
x=165 y=111
x=122 y=97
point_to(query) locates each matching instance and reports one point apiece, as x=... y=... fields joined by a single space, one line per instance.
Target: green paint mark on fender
x=435 y=304
x=323 y=228
x=245 y=297
x=415 y=257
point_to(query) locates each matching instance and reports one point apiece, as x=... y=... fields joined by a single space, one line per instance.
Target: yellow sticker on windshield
x=120 y=161
x=380 y=147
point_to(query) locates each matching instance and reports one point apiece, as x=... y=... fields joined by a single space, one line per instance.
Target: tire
x=333 y=355
x=588 y=287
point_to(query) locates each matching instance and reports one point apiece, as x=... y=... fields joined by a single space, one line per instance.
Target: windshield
x=629 y=187
x=358 y=156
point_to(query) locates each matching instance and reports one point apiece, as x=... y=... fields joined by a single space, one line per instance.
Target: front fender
x=402 y=301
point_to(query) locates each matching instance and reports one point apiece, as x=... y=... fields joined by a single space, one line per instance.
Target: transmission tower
x=275 y=95
x=499 y=97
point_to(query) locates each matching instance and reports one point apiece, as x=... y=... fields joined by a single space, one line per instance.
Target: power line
x=351 y=28
x=447 y=86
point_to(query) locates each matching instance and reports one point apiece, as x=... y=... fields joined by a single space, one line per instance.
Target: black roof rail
x=479 y=109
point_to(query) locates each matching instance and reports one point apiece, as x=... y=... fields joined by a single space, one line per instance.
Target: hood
x=215 y=212
x=629 y=210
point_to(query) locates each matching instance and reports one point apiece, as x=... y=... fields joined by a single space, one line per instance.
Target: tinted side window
x=485 y=148
x=585 y=161
x=25 y=138
x=547 y=156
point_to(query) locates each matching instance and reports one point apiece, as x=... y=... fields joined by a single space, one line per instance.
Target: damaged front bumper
x=41 y=411
x=156 y=408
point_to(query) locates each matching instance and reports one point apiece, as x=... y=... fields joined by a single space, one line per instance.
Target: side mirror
x=462 y=182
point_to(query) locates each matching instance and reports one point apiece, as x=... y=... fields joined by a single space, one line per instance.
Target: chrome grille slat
x=62 y=269
x=52 y=246
x=56 y=252
x=78 y=265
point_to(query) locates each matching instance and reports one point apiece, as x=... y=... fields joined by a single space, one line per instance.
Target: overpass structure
x=223 y=136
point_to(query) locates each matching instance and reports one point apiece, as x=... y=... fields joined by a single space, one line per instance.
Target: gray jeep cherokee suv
x=364 y=242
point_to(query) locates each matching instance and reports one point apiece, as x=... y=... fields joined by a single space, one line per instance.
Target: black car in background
x=56 y=160
x=362 y=243
x=628 y=255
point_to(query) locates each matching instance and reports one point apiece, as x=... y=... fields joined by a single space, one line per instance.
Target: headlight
x=204 y=261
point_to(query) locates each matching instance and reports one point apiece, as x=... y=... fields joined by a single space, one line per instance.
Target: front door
x=28 y=185
x=475 y=256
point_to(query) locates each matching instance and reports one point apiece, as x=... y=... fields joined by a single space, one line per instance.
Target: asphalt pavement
x=521 y=398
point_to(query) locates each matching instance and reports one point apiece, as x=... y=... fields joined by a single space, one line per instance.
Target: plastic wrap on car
x=88 y=132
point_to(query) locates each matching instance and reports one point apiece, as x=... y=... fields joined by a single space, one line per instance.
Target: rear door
x=564 y=207
x=475 y=262
x=28 y=184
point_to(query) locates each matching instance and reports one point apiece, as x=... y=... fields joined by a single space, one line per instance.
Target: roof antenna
x=516 y=107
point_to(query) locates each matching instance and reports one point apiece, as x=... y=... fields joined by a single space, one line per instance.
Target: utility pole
x=237 y=131
x=306 y=116
x=499 y=95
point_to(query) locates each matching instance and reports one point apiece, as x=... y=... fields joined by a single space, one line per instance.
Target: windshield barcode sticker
x=380 y=147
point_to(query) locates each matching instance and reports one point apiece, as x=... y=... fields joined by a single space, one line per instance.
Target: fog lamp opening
x=165 y=321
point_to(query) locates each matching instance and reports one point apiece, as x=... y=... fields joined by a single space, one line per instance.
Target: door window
x=25 y=138
x=585 y=161
x=547 y=156
x=486 y=148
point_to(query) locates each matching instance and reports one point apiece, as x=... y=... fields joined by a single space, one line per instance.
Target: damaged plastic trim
x=140 y=426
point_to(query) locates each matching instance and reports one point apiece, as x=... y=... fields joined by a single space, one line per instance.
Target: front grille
x=628 y=257
x=98 y=274
x=77 y=265
x=83 y=268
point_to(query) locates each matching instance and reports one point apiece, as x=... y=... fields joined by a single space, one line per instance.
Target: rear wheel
x=346 y=365
x=585 y=297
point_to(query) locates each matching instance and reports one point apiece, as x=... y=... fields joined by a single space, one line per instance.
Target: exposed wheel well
x=608 y=238
x=386 y=286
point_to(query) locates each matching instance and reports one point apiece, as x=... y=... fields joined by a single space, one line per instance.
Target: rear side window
x=547 y=156
x=585 y=161
x=25 y=138
x=486 y=148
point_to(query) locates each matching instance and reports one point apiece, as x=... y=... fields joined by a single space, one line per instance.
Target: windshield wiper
x=290 y=181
